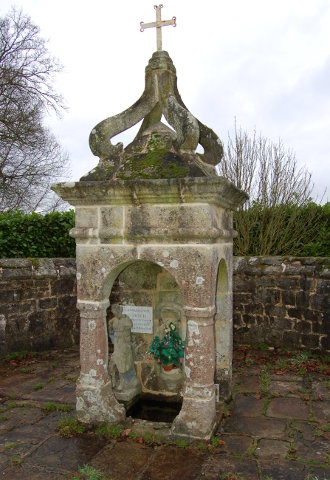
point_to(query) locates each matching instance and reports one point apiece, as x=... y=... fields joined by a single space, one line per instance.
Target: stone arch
x=143 y=283
x=223 y=329
x=112 y=275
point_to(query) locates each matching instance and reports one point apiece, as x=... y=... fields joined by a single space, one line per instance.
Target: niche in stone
x=144 y=299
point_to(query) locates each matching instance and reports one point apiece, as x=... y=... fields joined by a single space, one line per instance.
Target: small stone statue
x=122 y=358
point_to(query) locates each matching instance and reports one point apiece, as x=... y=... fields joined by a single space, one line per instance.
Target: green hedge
x=282 y=230
x=302 y=231
x=34 y=235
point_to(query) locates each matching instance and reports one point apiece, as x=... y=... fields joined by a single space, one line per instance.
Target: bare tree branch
x=30 y=156
x=269 y=222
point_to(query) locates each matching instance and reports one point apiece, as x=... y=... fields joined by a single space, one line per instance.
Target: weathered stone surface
x=261 y=427
x=122 y=369
x=28 y=430
x=272 y=448
x=237 y=444
x=182 y=227
x=285 y=470
x=38 y=305
x=157 y=151
x=216 y=467
x=113 y=460
x=19 y=296
x=308 y=450
x=174 y=463
x=294 y=302
x=283 y=388
x=249 y=383
x=321 y=410
x=248 y=406
x=288 y=408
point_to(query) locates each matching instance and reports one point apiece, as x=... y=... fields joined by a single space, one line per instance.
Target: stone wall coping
x=286 y=265
x=212 y=190
x=60 y=267
x=37 y=267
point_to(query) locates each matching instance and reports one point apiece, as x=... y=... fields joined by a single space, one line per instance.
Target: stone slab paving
x=289 y=408
x=273 y=429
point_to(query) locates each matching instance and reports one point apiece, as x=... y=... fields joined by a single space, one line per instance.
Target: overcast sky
x=265 y=62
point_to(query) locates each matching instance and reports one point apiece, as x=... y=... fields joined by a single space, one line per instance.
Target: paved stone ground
x=275 y=427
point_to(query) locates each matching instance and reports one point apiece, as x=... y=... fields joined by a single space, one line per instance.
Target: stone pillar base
x=197 y=418
x=96 y=404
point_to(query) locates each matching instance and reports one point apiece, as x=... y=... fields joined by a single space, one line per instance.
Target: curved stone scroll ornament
x=160 y=97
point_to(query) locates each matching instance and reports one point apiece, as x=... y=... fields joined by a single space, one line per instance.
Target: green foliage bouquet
x=170 y=349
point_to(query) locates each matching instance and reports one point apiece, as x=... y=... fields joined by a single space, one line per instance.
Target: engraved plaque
x=141 y=318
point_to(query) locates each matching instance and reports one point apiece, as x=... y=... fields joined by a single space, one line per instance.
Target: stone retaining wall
x=278 y=301
x=37 y=304
x=282 y=302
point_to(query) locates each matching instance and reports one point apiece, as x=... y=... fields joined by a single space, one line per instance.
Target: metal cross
x=159 y=23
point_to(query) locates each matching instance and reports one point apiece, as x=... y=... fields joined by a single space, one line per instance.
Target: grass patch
x=300 y=358
x=181 y=443
x=265 y=406
x=311 y=418
x=3 y=417
x=249 y=361
x=202 y=446
x=38 y=386
x=88 y=473
x=148 y=438
x=16 y=459
x=261 y=346
x=70 y=427
x=57 y=407
x=230 y=476
x=26 y=370
x=264 y=381
x=10 y=445
x=292 y=453
x=251 y=451
x=238 y=456
x=109 y=431
x=214 y=442
x=281 y=364
x=22 y=355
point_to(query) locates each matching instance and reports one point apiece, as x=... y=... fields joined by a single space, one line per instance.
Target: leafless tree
x=269 y=174
x=30 y=156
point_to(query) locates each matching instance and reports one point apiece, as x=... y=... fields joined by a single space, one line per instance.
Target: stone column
x=224 y=327
x=224 y=344
x=96 y=402
x=197 y=416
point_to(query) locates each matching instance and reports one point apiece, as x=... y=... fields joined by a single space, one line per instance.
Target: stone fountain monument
x=157 y=201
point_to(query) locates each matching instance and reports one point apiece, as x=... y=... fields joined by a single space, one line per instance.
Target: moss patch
x=154 y=164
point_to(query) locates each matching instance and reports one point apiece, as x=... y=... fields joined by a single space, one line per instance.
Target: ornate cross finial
x=159 y=23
